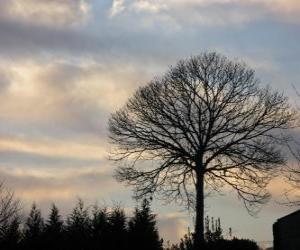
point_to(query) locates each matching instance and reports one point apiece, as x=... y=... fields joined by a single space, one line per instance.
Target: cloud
x=148 y=6
x=64 y=99
x=42 y=184
x=116 y=8
x=54 y=148
x=286 y=6
x=16 y=158
x=173 y=226
x=33 y=28
x=43 y=12
x=287 y=9
x=5 y=80
x=209 y=13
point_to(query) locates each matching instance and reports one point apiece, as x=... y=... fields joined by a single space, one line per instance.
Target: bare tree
x=9 y=207
x=205 y=124
x=291 y=173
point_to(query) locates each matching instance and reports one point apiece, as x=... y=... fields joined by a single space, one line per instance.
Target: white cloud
x=149 y=6
x=62 y=91
x=118 y=6
x=55 y=13
x=173 y=226
x=284 y=9
x=211 y=12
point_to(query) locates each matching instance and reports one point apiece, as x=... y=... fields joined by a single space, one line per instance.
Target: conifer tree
x=100 y=228
x=33 y=230
x=54 y=230
x=143 y=233
x=117 y=229
x=78 y=228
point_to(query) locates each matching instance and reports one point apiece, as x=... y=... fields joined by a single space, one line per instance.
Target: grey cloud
x=5 y=81
x=21 y=39
x=15 y=158
x=89 y=125
x=106 y=40
x=42 y=12
x=65 y=88
x=101 y=183
x=207 y=13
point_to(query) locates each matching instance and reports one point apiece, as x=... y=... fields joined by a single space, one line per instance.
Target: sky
x=66 y=65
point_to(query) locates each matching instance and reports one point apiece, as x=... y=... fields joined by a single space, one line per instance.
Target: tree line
x=83 y=229
x=101 y=228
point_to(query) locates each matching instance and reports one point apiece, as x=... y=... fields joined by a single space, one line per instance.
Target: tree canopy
x=206 y=123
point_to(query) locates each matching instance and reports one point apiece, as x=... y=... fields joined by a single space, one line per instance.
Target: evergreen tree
x=54 y=230
x=33 y=230
x=100 y=228
x=142 y=230
x=78 y=228
x=117 y=229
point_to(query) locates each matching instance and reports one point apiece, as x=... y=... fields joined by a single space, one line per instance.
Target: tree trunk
x=199 y=242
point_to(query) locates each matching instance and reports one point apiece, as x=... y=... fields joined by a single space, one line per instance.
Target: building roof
x=296 y=213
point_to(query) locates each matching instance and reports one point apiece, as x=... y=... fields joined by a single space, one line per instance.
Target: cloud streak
x=42 y=184
x=56 y=13
x=204 y=12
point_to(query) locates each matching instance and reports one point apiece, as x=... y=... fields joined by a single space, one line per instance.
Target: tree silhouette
x=187 y=242
x=213 y=230
x=234 y=244
x=78 y=228
x=117 y=229
x=142 y=230
x=10 y=234
x=106 y=231
x=54 y=231
x=33 y=230
x=205 y=124
x=100 y=228
x=9 y=205
x=214 y=239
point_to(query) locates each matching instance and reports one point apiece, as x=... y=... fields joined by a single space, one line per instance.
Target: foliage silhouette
x=78 y=228
x=54 y=230
x=10 y=234
x=214 y=239
x=142 y=230
x=10 y=219
x=213 y=230
x=118 y=233
x=33 y=230
x=100 y=228
x=9 y=206
x=103 y=230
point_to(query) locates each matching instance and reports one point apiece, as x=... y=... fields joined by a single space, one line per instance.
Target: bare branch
x=205 y=124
